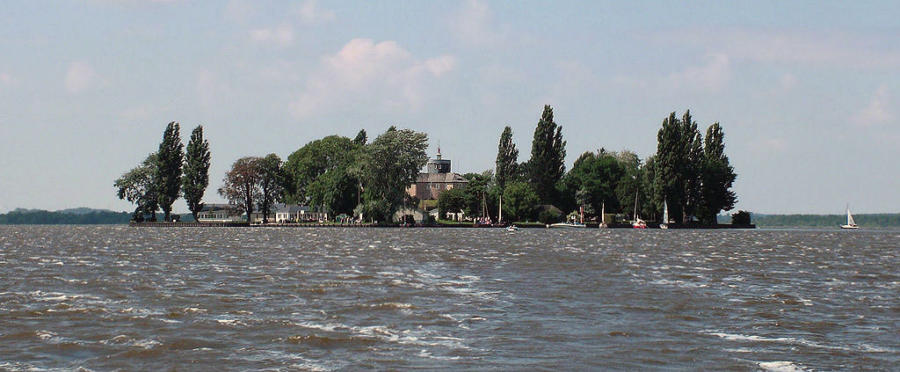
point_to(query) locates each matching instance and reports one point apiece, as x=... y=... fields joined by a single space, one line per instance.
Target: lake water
x=335 y=299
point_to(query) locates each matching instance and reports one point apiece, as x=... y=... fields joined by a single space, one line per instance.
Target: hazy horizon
x=806 y=92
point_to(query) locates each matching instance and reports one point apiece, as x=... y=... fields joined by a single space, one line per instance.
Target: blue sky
x=807 y=92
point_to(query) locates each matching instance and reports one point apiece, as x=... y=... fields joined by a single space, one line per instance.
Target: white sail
x=850 y=221
x=665 y=212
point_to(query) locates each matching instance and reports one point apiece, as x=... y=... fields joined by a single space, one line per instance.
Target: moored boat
x=851 y=224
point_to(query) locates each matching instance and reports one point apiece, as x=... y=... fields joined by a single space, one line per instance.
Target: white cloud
x=877 y=111
x=239 y=11
x=474 y=25
x=310 y=13
x=711 y=76
x=281 y=36
x=384 y=74
x=788 y=81
x=5 y=79
x=831 y=48
x=80 y=77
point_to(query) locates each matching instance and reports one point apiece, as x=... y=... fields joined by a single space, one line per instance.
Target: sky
x=807 y=92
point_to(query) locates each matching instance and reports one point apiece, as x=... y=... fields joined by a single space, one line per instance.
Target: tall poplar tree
x=168 y=170
x=507 y=158
x=669 y=165
x=717 y=177
x=196 y=171
x=548 y=152
x=692 y=144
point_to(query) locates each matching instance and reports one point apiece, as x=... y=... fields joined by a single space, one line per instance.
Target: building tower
x=438 y=165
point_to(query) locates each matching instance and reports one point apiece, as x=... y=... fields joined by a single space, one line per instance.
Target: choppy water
x=326 y=299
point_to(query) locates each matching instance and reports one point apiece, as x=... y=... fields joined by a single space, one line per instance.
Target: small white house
x=219 y=213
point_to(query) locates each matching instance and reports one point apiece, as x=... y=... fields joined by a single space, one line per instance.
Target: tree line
x=167 y=174
x=689 y=172
x=340 y=175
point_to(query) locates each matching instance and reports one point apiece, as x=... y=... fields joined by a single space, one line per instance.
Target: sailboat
x=851 y=225
x=603 y=224
x=570 y=224
x=665 y=224
x=638 y=222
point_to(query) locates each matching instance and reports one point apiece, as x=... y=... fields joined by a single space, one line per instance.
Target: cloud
x=829 y=48
x=239 y=11
x=280 y=36
x=310 y=13
x=80 y=77
x=877 y=111
x=787 y=81
x=6 y=79
x=711 y=76
x=384 y=74
x=473 y=24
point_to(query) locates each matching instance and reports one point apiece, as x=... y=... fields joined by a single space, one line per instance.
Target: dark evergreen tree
x=669 y=165
x=168 y=170
x=507 y=158
x=196 y=171
x=717 y=177
x=548 y=152
x=691 y=167
x=361 y=138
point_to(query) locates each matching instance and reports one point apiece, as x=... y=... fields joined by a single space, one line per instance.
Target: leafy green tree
x=519 y=201
x=390 y=164
x=507 y=158
x=168 y=169
x=717 y=177
x=361 y=138
x=304 y=166
x=670 y=160
x=241 y=184
x=138 y=187
x=652 y=205
x=335 y=191
x=478 y=195
x=271 y=183
x=196 y=171
x=693 y=143
x=451 y=201
x=548 y=152
x=593 y=181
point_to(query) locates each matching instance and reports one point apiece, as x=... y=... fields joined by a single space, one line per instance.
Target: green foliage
x=717 y=177
x=388 y=166
x=271 y=183
x=314 y=159
x=451 y=201
x=480 y=198
x=519 y=201
x=335 y=191
x=196 y=171
x=507 y=158
x=593 y=180
x=137 y=186
x=241 y=184
x=740 y=218
x=548 y=152
x=361 y=138
x=549 y=217
x=42 y=217
x=168 y=169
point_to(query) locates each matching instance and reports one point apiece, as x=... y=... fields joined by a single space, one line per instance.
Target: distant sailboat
x=851 y=225
x=638 y=222
x=665 y=220
x=571 y=224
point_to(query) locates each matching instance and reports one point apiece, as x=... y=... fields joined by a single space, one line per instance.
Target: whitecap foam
x=780 y=366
